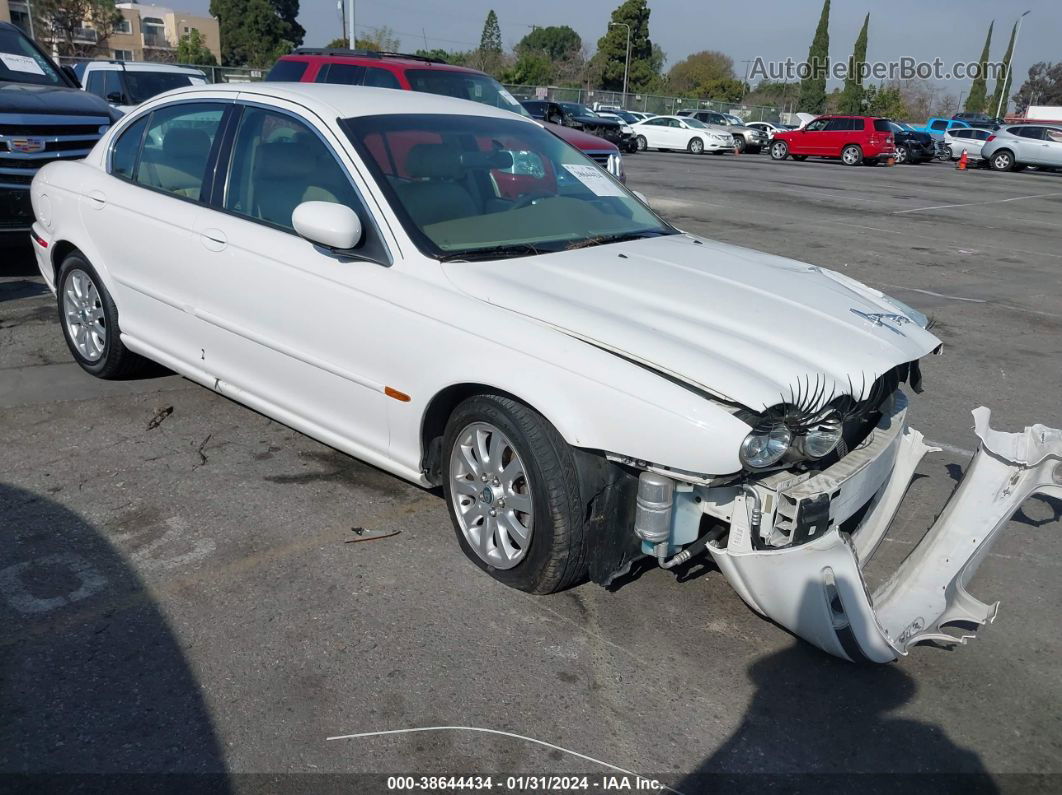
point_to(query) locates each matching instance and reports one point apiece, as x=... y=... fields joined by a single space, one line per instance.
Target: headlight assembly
x=822 y=435
x=765 y=445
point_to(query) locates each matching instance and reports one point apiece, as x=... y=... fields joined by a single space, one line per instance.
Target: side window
x=94 y=83
x=177 y=147
x=1053 y=135
x=959 y=133
x=380 y=78
x=1032 y=132
x=112 y=86
x=981 y=135
x=287 y=71
x=341 y=73
x=838 y=125
x=127 y=149
x=818 y=125
x=939 y=124
x=278 y=163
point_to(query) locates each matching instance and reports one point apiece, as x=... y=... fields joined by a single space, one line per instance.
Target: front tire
x=779 y=150
x=695 y=146
x=89 y=321
x=513 y=494
x=851 y=155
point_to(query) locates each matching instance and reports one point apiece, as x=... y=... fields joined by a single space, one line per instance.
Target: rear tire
x=495 y=436
x=89 y=320
x=640 y=143
x=695 y=146
x=1002 y=160
x=851 y=155
x=903 y=155
x=739 y=144
x=780 y=151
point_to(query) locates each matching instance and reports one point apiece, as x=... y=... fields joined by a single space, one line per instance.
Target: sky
x=772 y=29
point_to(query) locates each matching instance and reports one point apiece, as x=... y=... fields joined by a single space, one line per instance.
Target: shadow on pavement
x=16 y=256
x=92 y=680
x=819 y=724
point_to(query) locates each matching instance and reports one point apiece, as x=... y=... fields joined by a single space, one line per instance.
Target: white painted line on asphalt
x=502 y=734
x=976 y=204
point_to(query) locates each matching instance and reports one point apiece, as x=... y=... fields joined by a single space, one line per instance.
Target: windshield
x=20 y=62
x=482 y=187
x=464 y=85
x=141 y=86
x=700 y=125
x=733 y=119
x=576 y=109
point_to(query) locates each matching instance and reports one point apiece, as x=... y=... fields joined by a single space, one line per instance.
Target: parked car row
x=469 y=304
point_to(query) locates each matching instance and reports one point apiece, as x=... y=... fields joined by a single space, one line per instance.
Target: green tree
x=646 y=60
x=64 y=19
x=813 y=87
x=976 y=100
x=852 y=96
x=556 y=42
x=1043 y=87
x=252 y=33
x=885 y=101
x=490 y=39
x=288 y=11
x=999 y=96
x=192 y=49
x=694 y=74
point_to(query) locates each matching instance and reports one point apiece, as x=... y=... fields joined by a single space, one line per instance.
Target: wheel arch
x=61 y=249
x=437 y=412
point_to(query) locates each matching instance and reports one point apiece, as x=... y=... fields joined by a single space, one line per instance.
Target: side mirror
x=328 y=224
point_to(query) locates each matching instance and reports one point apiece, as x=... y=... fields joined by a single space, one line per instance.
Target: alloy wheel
x=491 y=495
x=83 y=315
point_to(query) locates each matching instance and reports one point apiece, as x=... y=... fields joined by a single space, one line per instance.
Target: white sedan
x=681 y=133
x=451 y=293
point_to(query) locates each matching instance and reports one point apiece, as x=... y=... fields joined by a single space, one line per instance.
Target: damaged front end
x=794 y=545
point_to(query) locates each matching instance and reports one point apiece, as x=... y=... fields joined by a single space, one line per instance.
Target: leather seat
x=179 y=165
x=435 y=193
x=286 y=174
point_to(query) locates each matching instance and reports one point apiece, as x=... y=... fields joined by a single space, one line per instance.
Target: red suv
x=851 y=139
x=416 y=73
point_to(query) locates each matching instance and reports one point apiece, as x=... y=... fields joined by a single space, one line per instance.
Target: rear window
x=287 y=71
x=884 y=125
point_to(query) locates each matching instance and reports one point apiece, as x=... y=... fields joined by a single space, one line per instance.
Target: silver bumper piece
x=816 y=589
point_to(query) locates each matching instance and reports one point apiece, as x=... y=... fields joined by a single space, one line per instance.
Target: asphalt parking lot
x=183 y=587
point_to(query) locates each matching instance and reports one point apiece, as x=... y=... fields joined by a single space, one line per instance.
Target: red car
x=417 y=73
x=850 y=139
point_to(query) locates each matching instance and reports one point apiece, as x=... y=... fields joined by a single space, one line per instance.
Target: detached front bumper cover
x=817 y=591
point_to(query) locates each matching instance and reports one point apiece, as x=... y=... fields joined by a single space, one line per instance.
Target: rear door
x=837 y=133
x=1031 y=146
x=1053 y=146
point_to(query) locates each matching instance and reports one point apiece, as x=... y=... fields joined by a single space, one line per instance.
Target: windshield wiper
x=491 y=252
x=618 y=238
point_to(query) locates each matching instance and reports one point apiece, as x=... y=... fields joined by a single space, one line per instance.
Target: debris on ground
x=160 y=415
x=370 y=535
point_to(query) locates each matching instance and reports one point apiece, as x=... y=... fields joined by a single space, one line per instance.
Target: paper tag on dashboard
x=21 y=63
x=593 y=178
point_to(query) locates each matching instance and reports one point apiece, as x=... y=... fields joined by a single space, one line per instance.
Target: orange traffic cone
x=962 y=161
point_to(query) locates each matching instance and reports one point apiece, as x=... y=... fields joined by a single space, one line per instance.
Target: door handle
x=99 y=199
x=214 y=239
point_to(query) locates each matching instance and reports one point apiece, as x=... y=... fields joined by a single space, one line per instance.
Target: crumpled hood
x=27 y=98
x=744 y=325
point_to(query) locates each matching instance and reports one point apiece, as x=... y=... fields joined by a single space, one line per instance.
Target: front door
x=810 y=140
x=299 y=332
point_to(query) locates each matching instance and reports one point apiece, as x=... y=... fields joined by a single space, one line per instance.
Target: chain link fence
x=646 y=103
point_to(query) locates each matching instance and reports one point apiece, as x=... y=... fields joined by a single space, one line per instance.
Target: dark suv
x=417 y=73
x=44 y=116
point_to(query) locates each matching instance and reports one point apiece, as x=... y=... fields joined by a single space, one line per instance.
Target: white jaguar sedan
x=681 y=133
x=455 y=295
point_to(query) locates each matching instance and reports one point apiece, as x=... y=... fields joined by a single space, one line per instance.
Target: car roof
x=367 y=58
x=144 y=66
x=333 y=100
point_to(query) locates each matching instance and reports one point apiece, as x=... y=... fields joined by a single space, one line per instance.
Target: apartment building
x=148 y=33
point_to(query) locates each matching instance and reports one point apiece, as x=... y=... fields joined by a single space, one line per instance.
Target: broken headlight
x=765 y=445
